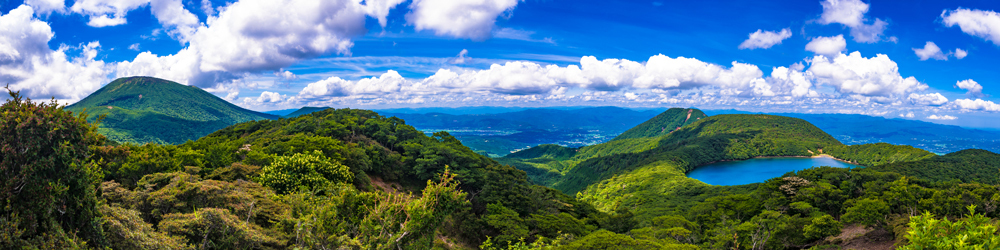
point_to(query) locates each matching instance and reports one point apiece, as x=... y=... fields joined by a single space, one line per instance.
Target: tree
x=868 y=212
x=47 y=179
x=309 y=170
x=822 y=227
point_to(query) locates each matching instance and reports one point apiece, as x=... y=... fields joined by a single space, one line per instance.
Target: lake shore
x=790 y=156
x=761 y=169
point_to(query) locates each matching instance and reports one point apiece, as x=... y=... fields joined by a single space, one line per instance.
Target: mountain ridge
x=147 y=109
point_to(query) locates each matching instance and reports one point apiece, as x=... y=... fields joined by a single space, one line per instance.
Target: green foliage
x=347 y=218
x=545 y=150
x=974 y=231
x=822 y=226
x=507 y=222
x=970 y=165
x=878 y=154
x=305 y=200
x=867 y=212
x=664 y=123
x=309 y=170
x=303 y=111
x=125 y=229
x=48 y=161
x=194 y=207
x=146 y=109
x=217 y=228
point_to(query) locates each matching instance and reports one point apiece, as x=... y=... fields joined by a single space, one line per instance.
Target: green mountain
x=664 y=123
x=303 y=111
x=146 y=109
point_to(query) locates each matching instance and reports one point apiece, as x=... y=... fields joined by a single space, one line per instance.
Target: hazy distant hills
x=500 y=133
x=147 y=109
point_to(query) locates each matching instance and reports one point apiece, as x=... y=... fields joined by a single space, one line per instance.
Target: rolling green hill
x=146 y=109
x=664 y=123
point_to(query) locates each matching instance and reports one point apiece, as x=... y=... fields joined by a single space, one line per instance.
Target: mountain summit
x=148 y=109
x=666 y=122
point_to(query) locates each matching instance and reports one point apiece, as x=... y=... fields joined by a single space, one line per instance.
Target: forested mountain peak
x=303 y=111
x=664 y=123
x=148 y=109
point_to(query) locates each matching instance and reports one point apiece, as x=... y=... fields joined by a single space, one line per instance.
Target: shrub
x=47 y=181
x=310 y=170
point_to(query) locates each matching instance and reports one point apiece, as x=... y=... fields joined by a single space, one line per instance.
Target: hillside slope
x=303 y=111
x=146 y=109
x=970 y=165
x=717 y=138
x=664 y=123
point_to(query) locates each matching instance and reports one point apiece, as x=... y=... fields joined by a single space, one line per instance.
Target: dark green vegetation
x=499 y=134
x=970 y=165
x=47 y=162
x=146 y=109
x=664 y=123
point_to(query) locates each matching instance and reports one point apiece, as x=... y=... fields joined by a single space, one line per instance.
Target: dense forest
x=352 y=179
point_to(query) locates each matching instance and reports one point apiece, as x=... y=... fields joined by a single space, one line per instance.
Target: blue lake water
x=759 y=169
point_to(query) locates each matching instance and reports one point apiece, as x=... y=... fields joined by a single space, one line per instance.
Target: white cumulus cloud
x=828 y=46
x=180 y=22
x=851 y=13
x=854 y=74
x=765 y=39
x=977 y=104
x=972 y=87
x=46 y=7
x=390 y=82
x=472 y=19
x=259 y=35
x=959 y=53
x=27 y=62
x=792 y=81
x=942 y=117
x=981 y=23
x=935 y=99
x=930 y=50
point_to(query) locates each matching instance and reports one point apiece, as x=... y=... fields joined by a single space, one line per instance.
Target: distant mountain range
x=500 y=134
x=146 y=109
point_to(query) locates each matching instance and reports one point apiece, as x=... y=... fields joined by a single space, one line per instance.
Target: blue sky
x=831 y=56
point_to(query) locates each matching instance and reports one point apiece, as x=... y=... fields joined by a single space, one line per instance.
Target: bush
x=310 y=170
x=47 y=181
